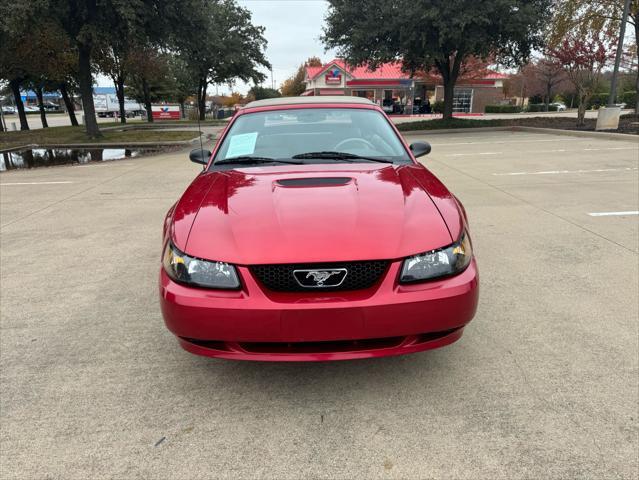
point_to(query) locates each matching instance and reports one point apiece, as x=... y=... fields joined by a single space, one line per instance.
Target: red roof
x=496 y=76
x=391 y=70
x=385 y=71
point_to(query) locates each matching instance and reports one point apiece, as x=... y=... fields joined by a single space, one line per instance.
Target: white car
x=8 y=110
x=560 y=106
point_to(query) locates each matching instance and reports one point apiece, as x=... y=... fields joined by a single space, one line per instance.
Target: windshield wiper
x=339 y=156
x=250 y=159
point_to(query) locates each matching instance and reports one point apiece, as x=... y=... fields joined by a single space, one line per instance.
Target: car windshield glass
x=298 y=133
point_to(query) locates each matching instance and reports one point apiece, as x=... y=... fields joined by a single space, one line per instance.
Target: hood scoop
x=314 y=182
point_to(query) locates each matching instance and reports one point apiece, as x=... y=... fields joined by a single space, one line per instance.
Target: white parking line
x=536 y=152
x=609 y=148
x=611 y=214
x=555 y=172
x=31 y=183
x=505 y=141
x=467 y=154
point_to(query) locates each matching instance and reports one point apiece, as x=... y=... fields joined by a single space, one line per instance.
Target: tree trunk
x=97 y=155
x=182 y=110
x=201 y=99
x=68 y=103
x=581 y=111
x=636 y=22
x=86 y=91
x=449 y=76
x=27 y=158
x=15 y=88
x=147 y=100
x=547 y=102
x=119 y=91
x=449 y=95
x=43 y=114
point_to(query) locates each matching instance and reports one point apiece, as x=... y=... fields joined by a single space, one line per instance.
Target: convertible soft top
x=308 y=101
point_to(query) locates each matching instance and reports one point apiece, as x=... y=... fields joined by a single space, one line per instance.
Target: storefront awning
x=331 y=91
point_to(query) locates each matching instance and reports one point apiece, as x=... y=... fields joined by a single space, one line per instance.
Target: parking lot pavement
x=544 y=383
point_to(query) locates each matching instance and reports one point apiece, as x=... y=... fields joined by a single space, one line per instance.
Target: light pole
x=615 y=73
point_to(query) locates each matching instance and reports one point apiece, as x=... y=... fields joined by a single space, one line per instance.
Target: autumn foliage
x=584 y=57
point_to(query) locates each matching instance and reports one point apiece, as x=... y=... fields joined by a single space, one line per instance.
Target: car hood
x=314 y=213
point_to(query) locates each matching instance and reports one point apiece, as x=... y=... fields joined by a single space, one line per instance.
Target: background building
x=397 y=92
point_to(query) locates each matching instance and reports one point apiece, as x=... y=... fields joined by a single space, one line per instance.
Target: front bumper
x=256 y=324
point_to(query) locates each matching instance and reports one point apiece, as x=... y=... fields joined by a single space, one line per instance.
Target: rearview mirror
x=420 y=149
x=200 y=156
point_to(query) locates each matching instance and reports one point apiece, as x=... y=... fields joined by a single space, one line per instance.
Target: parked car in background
x=561 y=107
x=313 y=233
x=8 y=110
x=51 y=107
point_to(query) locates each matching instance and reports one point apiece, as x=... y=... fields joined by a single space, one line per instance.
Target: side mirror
x=420 y=149
x=200 y=156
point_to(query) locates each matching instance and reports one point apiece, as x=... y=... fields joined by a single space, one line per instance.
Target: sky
x=293 y=28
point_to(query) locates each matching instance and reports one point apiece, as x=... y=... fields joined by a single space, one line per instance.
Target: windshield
x=316 y=135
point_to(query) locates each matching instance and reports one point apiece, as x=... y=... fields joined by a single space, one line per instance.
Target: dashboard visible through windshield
x=311 y=135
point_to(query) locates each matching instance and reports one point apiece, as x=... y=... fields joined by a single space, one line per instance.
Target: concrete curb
x=162 y=126
x=519 y=128
x=580 y=133
x=455 y=130
x=177 y=143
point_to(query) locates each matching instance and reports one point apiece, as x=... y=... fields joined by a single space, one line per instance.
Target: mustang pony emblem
x=331 y=277
x=320 y=276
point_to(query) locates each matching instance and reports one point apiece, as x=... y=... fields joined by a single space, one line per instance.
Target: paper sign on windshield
x=243 y=144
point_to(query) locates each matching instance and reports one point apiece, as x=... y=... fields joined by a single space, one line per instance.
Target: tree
x=87 y=23
x=220 y=44
x=150 y=79
x=295 y=85
x=15 y=52
x=584 y=57
x=544 y=77
x=440 y=34
x=260 y=93
x=113 y=61
x=50 y=61
x=233 y=99
x=586 y=17
x=181 y=83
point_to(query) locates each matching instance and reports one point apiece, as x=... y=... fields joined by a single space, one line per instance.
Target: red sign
x=165 y=112
x=333 y=76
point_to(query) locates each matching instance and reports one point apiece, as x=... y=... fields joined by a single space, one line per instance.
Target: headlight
x=437 y=263
x=202 y=273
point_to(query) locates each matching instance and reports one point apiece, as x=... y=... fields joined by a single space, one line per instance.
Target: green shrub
x=597 y=100
x=438 y=107
x=502 y=109
x=449 y=123
x=629 y=98
x=601 y=99
x=541 y=107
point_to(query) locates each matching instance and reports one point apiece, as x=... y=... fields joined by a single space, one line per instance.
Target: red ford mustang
x=312 y=233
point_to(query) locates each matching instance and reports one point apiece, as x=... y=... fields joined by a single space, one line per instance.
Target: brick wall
x=482 y=96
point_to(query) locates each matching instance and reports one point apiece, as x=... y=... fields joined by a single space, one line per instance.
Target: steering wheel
x=361 y=141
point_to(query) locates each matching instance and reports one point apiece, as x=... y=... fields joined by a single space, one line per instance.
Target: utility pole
x=272 y=79
x=615 y=73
